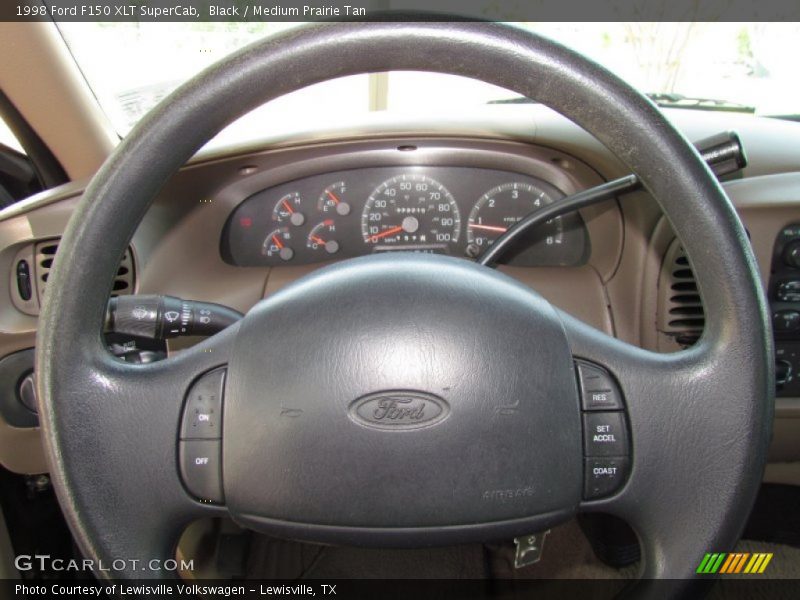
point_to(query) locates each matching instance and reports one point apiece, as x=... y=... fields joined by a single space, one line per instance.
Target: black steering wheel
x=485 y=441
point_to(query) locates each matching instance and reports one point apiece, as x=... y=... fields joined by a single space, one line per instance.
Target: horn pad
x=399 y=395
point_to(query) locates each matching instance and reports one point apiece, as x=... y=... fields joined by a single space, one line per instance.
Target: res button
x=599 y=391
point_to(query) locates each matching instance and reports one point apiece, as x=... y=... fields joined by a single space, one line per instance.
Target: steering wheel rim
x=101 y=418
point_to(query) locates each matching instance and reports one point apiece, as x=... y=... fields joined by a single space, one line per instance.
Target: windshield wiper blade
x=514 y=100
x=671 y=100
x=665 y=99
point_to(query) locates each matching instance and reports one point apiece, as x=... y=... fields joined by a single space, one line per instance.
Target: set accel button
x=605 y=434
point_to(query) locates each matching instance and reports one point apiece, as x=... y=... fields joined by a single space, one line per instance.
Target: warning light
x=246 y=222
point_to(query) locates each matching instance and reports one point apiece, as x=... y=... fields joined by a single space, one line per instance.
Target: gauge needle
x=332 y=196
x=318 y=240
x=278 y=242
x=391 y=231
x=288 y=207
x=489 y=227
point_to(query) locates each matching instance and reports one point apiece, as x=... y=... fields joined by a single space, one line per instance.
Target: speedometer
x=411 y=212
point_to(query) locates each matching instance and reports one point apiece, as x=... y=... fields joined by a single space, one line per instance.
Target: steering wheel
x=406 y=400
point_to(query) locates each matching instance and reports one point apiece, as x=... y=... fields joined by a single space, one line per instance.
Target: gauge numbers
x=412 y=212
x=501 y=207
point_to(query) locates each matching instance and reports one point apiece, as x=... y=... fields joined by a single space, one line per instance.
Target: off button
x=605 y=434
x=201 y=468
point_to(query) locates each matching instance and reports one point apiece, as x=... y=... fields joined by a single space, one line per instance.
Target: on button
x=202 y=415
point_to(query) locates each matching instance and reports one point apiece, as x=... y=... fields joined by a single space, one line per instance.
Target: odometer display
x=410 y=211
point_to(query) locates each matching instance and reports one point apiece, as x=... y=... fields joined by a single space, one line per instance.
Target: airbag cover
x=401 y=390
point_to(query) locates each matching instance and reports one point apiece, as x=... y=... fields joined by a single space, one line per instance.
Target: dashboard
x=236 y=225
x=457 y=211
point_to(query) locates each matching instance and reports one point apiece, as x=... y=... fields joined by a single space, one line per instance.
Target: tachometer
x=501 y=207
x=410 y=211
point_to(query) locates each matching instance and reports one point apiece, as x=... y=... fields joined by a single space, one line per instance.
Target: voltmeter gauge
x=277 y=244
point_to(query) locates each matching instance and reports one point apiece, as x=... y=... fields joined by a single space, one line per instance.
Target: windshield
x=748 y=67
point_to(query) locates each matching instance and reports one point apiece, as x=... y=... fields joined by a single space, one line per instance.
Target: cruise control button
x=201 y=471
x=202 y=415
x=598 y=389
x=605 y=434
x=604 y=476
x=786 y=320
x=789 y=291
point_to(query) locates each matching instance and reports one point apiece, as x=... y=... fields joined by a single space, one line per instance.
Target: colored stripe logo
x=734 y=562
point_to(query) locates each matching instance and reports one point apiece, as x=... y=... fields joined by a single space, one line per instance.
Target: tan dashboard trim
x=194 y=202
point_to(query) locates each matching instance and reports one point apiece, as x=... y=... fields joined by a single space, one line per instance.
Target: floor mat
x=776 y=516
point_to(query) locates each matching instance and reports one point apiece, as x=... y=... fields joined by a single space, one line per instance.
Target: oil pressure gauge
x=289 y=210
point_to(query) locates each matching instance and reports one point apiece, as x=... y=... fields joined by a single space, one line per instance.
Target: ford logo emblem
x=399 y=410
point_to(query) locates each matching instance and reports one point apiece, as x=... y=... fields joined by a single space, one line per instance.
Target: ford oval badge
x=399 y=410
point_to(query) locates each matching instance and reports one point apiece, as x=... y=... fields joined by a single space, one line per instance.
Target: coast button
x=604 y=476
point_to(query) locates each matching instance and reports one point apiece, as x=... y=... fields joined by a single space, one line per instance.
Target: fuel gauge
x=333 y=200
x=277 y=244
x=321 y=237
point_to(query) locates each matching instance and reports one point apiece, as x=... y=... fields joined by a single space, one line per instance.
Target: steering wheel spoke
x=683 y=435
x=128 y=423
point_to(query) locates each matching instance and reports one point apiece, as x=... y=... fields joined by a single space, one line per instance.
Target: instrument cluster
x=458 y=211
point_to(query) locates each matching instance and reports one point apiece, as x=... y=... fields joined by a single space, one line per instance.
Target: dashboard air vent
x=45 y=254
x=680 y=308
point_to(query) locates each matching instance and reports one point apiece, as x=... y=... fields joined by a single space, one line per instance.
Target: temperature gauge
x=332 y=200
x=288 y=210
x=277 y=244
x=321 y=237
